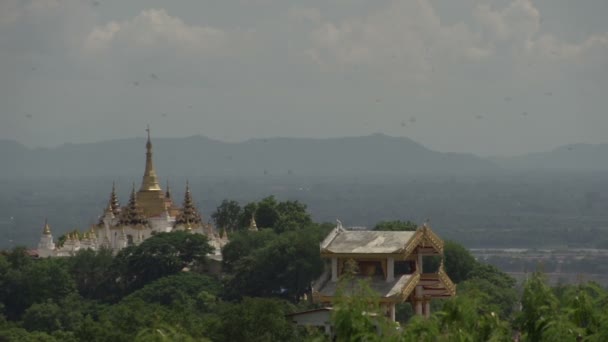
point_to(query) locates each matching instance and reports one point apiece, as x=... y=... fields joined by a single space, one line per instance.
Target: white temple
x=149 y=210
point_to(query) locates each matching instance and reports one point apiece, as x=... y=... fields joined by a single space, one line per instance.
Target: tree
x=249 y=211
x=292 y=216
x=227 y=215
x=161 y=255
x=90 y=269
x=396 y=225
x=256 y=319
x=458 y=262
x=243 y=244
x=35 y=282
x=539 y=307
x=496 y=289
x=173 y=288
x=266 y=214
x=42 y=317
x=280 y=265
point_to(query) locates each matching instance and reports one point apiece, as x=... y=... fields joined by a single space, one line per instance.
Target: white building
x=149 y=210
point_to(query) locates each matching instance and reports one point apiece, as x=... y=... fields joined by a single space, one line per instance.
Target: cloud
x=405 y=35
x=518 y=26
x=410 y=38
x=156 y=29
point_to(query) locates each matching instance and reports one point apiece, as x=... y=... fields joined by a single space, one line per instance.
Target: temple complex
x=149 y=210
x=392 y=262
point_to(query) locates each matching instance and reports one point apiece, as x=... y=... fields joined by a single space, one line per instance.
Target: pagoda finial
x=113 y=204
x=132 y=215
x=189 y=212
x=150 y=180
x=168 y=193
x=252 y=224
x=47 y=228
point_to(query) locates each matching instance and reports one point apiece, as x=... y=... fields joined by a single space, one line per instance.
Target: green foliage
x=90 y=271
x=175 y=288
x=227 y=215
x=32 y=281
x=539 y=307
x=495 y=289
x=396 y=225
x=356 y=315
x=281 y=265
x=141 y=294
x=255 y=319
x=161 y=255
x=268 y=213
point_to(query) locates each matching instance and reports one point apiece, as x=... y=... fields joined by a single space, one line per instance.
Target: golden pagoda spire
x=150 y=180
x=189 y=212
x=132 y=215
x=113 y=203
x=47 y=228
x=168 y=193
x=252 y=225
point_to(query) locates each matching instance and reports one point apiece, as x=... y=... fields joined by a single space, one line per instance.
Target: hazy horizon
x=492 y=78
x=154 y=137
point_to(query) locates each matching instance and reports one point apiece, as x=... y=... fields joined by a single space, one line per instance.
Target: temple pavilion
x=392 y=262
x=149 y=210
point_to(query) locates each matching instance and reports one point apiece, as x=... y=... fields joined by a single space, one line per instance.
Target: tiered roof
x=189 y=213
x=132 y=215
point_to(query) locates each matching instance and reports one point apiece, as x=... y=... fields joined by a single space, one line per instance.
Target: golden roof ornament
x=113 y=203
x=189 y=213
x=252 y=224
x=168 y=193
x=150 y=180
x=47 y=228
x=132 y=215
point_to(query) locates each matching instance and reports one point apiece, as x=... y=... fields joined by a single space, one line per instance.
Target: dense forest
x=163 y=290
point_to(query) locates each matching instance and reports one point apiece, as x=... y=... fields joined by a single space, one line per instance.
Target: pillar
x=427 y=308
x=418 y=307
x=390 y=269
x=334 y=269
x=392 y=311
x=420 y=263
x=418 y=300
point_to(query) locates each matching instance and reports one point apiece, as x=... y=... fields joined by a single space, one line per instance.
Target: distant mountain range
x=197 y=156
x=575 y=157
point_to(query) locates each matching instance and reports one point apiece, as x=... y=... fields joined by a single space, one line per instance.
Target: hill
x=199 y=156
x=575 y=157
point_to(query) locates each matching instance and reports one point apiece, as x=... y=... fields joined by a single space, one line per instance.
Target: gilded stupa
x=150 y=197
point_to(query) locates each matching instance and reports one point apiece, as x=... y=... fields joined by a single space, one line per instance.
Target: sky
x=500 y=77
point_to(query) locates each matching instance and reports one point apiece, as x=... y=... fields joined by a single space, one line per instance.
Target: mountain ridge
x=199 y=155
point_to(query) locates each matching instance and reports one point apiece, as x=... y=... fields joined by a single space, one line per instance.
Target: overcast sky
x=488 y=77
